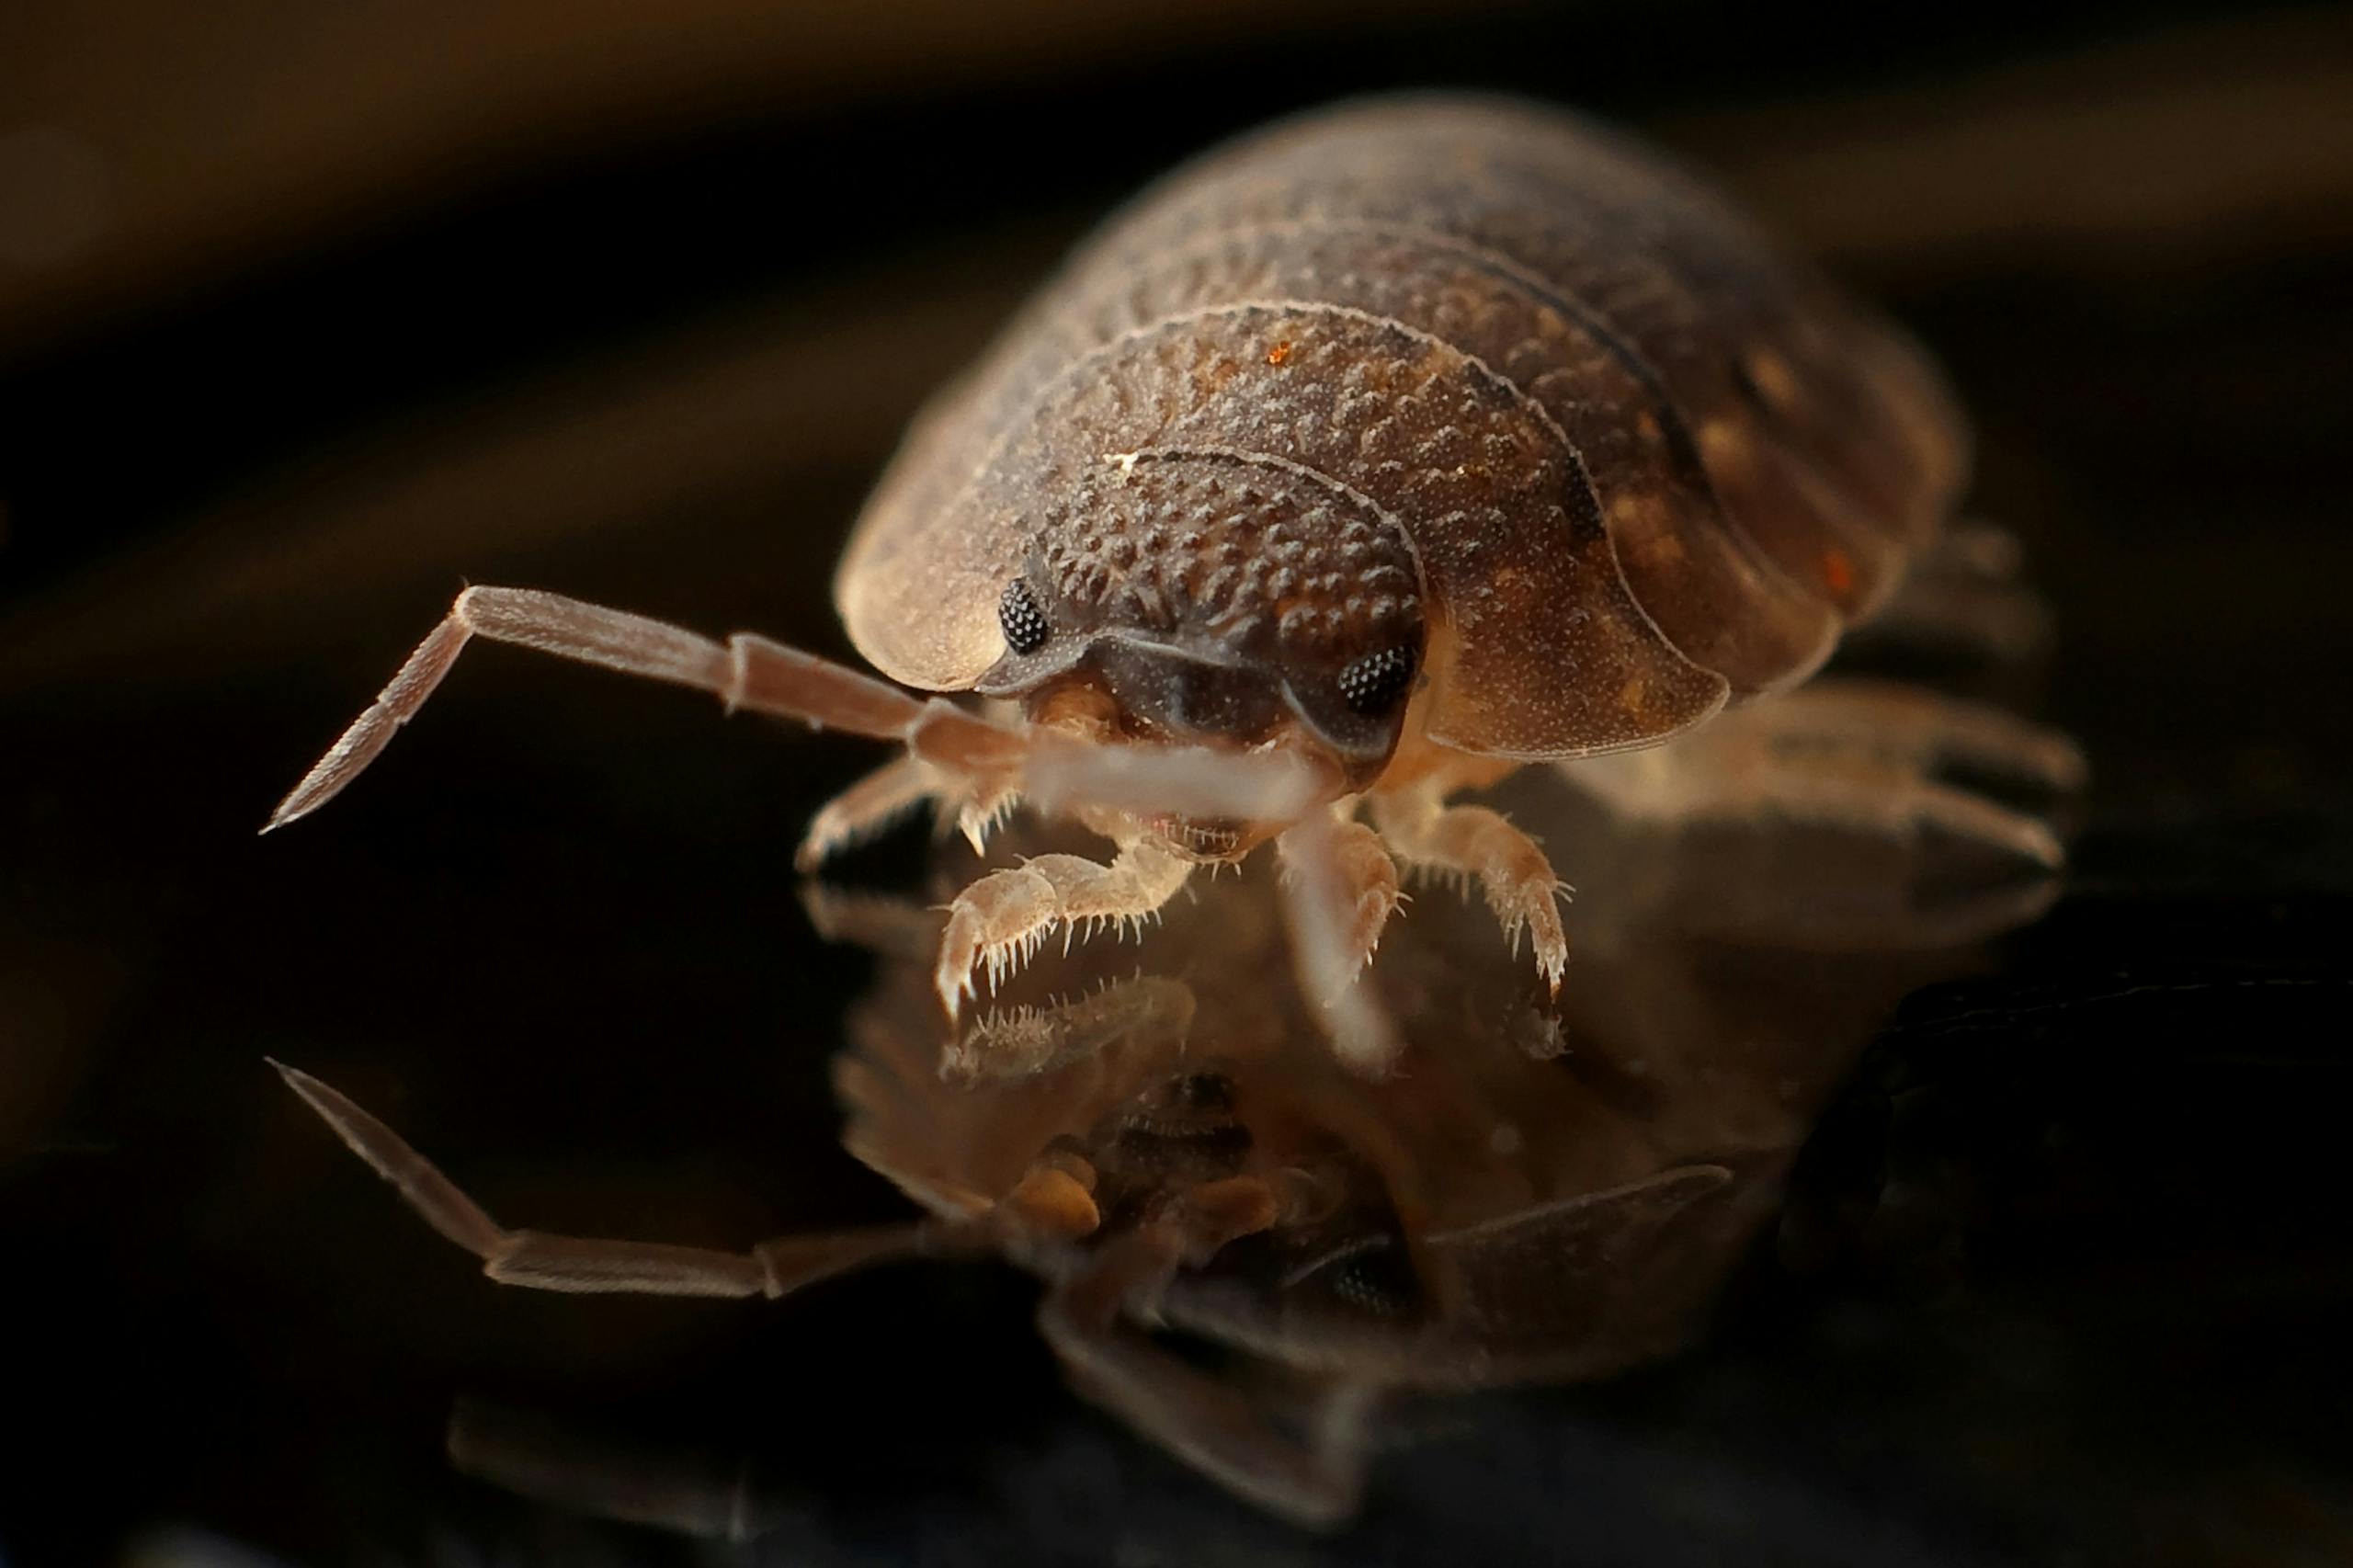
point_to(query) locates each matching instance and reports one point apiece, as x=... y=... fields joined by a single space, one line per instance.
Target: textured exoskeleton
x=1353 y=466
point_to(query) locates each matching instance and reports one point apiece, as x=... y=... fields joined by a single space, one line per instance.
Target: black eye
x=1373 y=683
x=1024 y=623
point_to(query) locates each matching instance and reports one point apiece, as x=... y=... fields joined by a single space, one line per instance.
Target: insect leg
x=1367 y=887
x=881 y=923
x=1963 y=597
x=1334 y=902
x=1912 y=728
x=1869 y=817
x=1213 y=1427
x=1000 y=921
x=866 y=808
x=1206 y=1421
x=1869 y=757
x=1472 y=841
x=746 y=671
x=544 y=1262
x=1148 y=1013
x=599 y=1476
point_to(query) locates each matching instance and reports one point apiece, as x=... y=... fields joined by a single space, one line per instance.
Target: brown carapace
x=1364 y=459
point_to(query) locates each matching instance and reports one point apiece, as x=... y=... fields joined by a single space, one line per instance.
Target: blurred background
x=309 y=314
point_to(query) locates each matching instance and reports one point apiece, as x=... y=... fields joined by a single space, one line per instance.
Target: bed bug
x=1542 y=1194
x=1363 y=461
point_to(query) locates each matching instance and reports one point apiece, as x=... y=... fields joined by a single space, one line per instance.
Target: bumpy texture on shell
x=1643 y=460
x=1216 y=539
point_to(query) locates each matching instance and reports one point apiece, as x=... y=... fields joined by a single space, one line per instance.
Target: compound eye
x=1373 y=683
x=1023 y=623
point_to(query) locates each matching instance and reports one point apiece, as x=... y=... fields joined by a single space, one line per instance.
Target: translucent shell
x=1644 y=459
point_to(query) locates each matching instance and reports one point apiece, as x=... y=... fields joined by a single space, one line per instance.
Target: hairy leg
x=1474 y=842
x=996 y=925
x=1360 y=898
x=1339 y=888
x=1147 y=1012
x=866 y=808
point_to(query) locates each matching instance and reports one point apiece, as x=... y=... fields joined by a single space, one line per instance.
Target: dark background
x=308 y=312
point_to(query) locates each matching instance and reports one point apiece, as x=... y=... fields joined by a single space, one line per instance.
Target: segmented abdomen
x=1762 y=454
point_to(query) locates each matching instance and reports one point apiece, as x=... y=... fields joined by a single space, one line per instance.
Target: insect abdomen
x=1758 y=458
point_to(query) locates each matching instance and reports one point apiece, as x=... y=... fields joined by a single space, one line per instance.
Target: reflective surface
x=1537 y=1191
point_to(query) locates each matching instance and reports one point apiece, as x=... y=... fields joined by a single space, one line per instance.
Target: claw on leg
x=1368 y=891
x=865 y=809
x=998 y=923
x=1334 y=903
x=977 y=816
x=969 y=805
x=1148 y=1013
x=1472 y=841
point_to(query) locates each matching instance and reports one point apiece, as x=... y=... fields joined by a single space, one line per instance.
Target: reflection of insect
x=1542 y=1194
x=1367 y=460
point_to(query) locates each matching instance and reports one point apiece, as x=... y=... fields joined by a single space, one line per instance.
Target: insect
x=1364 y=462
x=1544 y=1194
